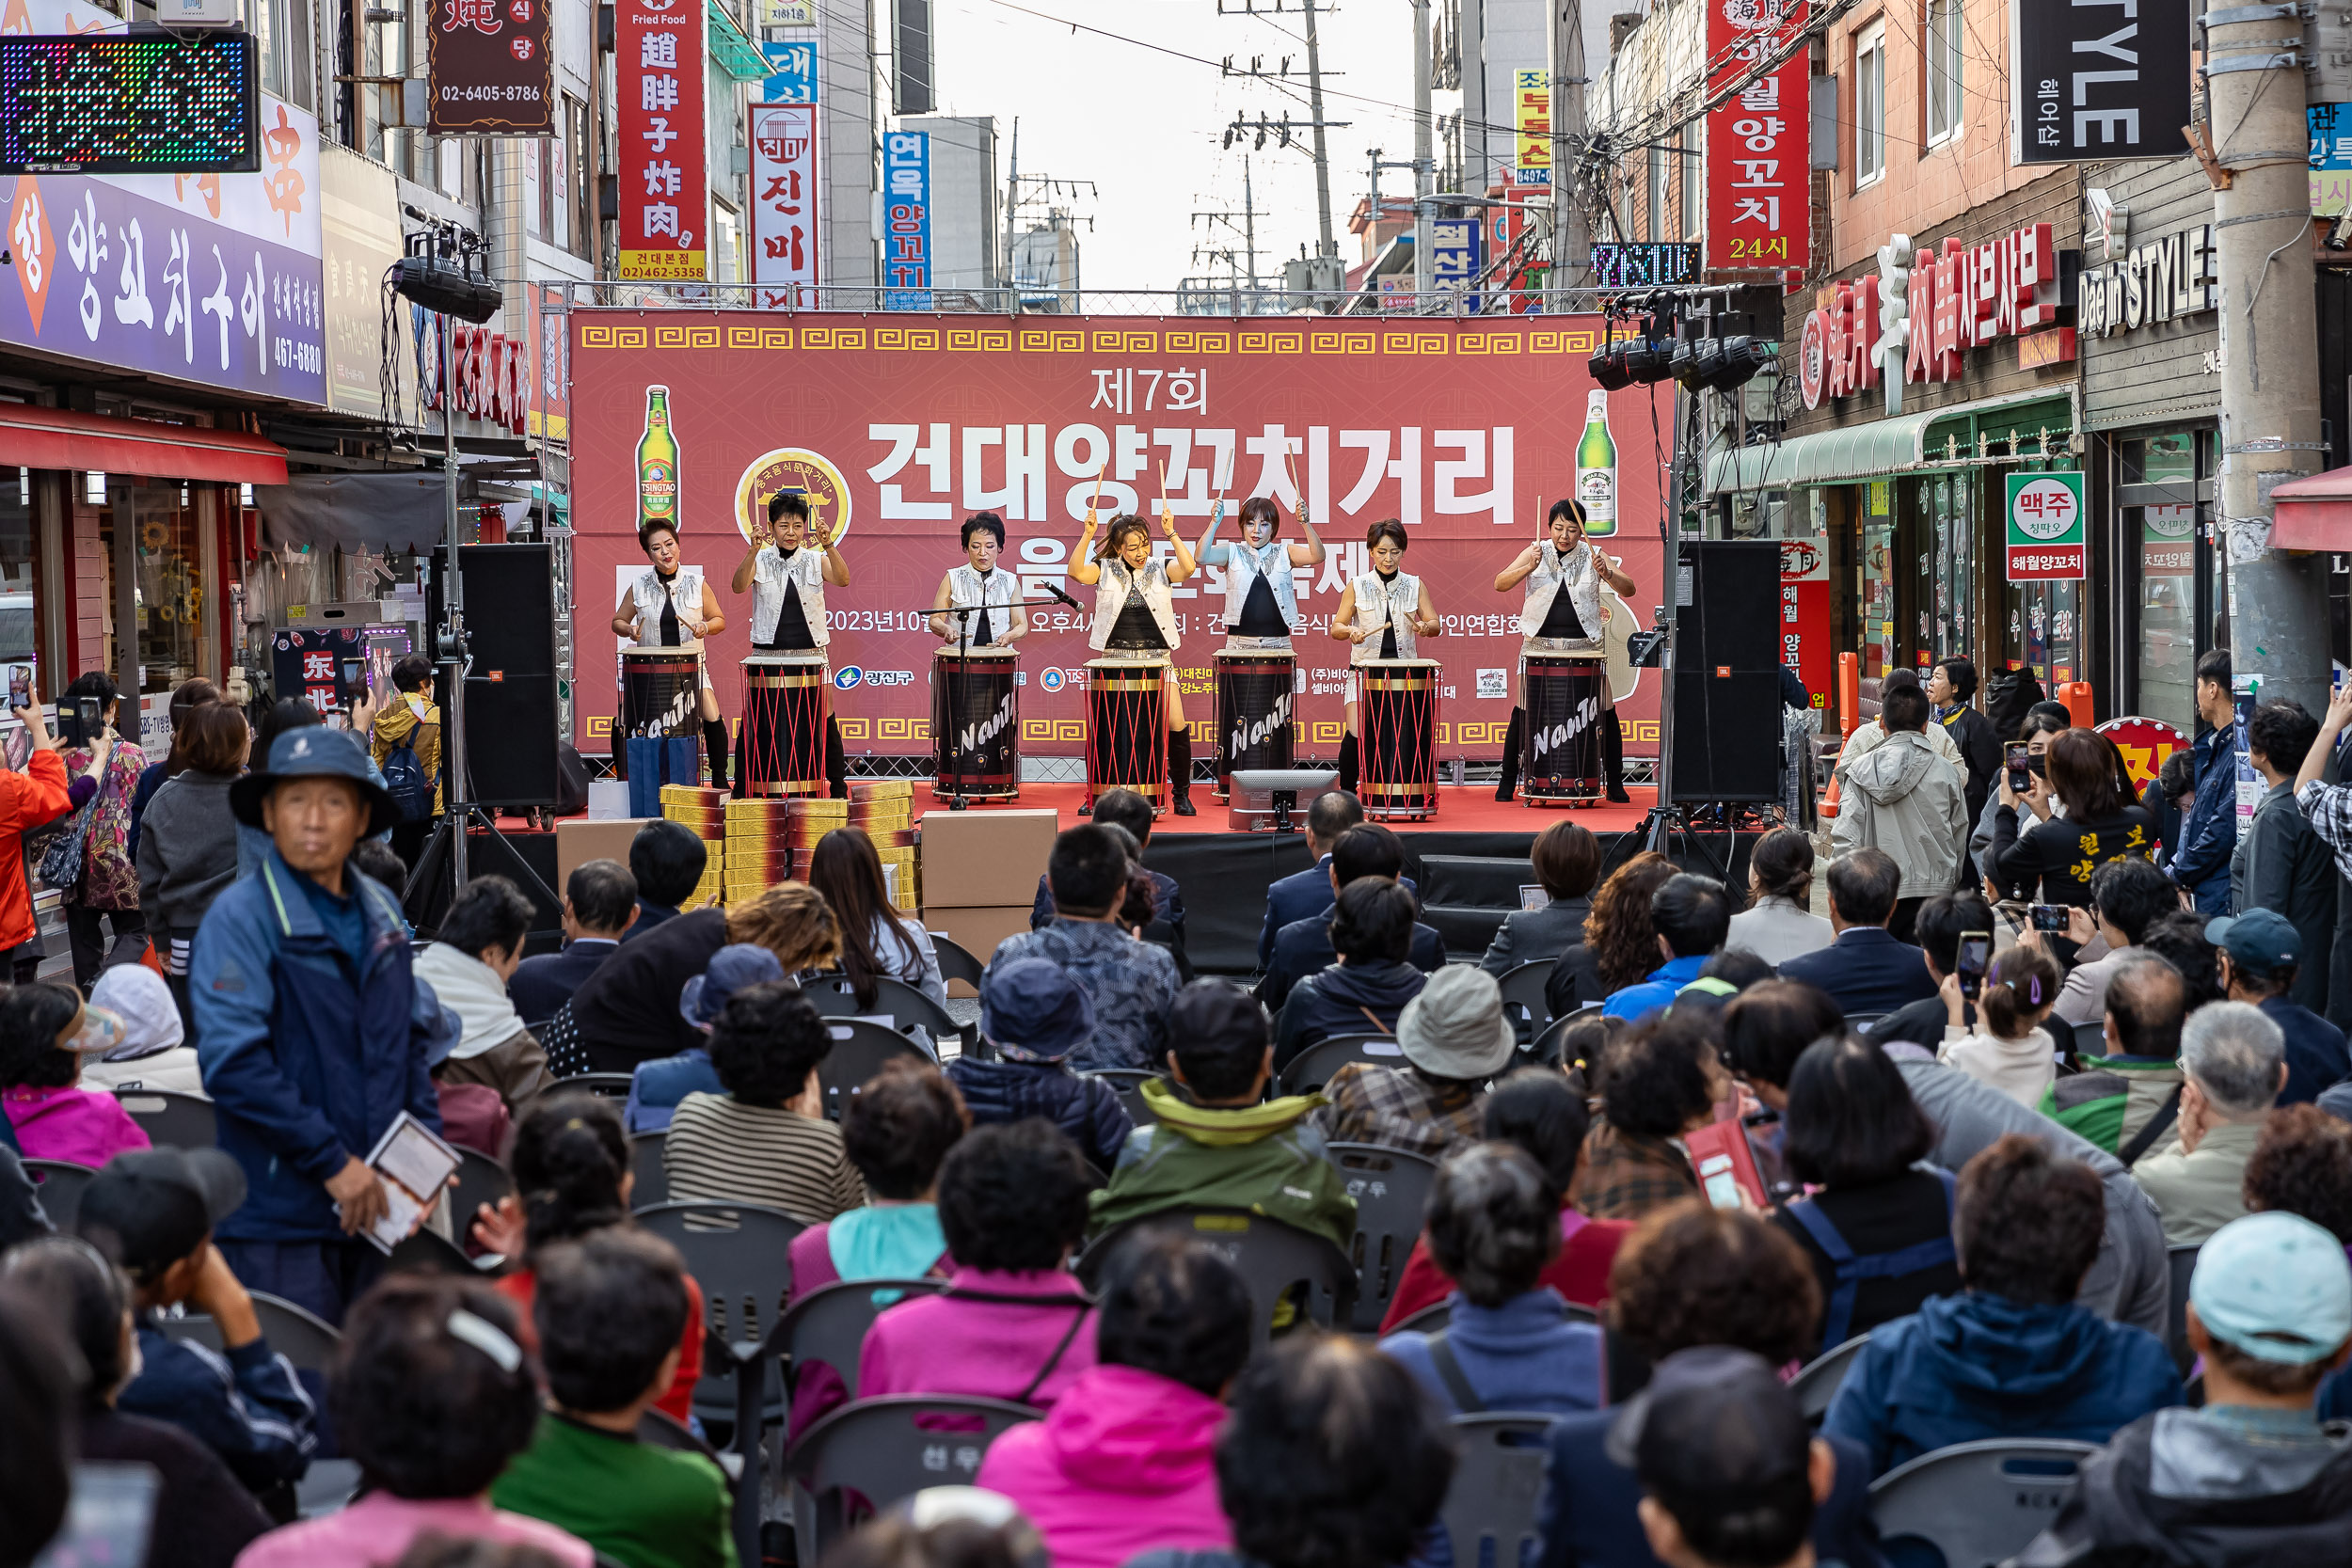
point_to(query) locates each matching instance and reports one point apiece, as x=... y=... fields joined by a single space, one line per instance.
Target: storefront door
x=2159 y=481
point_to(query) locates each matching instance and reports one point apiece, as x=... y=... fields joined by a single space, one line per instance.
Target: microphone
x=1065 y=598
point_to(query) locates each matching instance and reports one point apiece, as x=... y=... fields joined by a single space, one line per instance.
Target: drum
x=976 y=724
x=1127 y=729
x=1560 y=759
x=1397 y=715
x=786 y=700
x=658 y=690
x=1254 y=695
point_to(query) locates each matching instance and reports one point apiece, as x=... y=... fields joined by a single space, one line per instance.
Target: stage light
x=1648 y=360
x=1698 y=360
x=446 y=288
x=1608 y=371
x=1739 y=360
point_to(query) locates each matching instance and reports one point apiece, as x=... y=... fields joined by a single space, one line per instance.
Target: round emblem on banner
x=2169 y=522
x=1813 y=357
x=797 y=469
x=2145 y=743
x=2052 y=516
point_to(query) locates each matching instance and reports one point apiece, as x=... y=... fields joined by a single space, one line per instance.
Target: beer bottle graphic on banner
x=657 y=462
x=1597 y=468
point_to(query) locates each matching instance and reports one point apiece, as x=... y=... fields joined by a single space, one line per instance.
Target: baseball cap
x=1716 y=1431
x=2275 y=1287
x=2258 y=941
x=149 y=1208
x=733 y=967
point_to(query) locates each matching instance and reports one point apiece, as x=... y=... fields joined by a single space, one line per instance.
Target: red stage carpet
x=1461 y=809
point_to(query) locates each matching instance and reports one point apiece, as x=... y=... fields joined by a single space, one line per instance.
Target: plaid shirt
x=1628 y=1175
x=2329 y=809
x=1398 y=1108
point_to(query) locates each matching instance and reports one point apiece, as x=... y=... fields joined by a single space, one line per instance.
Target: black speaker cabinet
x=510 y=685
x=1726 y=741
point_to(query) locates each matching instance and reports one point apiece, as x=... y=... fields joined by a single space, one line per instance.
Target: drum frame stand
x=964 y=615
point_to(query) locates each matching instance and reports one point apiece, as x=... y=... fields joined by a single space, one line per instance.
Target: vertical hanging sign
x=783 y=206
x=907 y=220
x=1759 y=207
x=659 y=51
x=491 y=67
x=1531 y=114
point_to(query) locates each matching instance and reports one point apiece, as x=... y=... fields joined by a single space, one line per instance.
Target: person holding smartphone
x=2031 y=846
x=37 y=796
x=109 y=885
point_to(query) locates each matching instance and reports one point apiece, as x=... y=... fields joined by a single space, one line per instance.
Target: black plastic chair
x=658 y=1429
x=645 y=1162
x=1817 y=1381
x=1273 y=1257
x=877 y=1451
x=610 y=1085
x=956 y=961
x=1390 y=1187
x=1497 y=1487
x=1315 y=1065
x=1428 y=1319
x=171 y=1119
x=740 y=1254
x=479 y=1179
x=1547 y=1047
x=1976 y=1504
x=429 y=1252
x=2181 y=1260
x=59 y=1183
x=860 y=1050
x=1128 y=1082
x=1523 y=1001
x=833 y=996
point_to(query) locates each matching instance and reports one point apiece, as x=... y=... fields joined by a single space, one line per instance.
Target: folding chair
x=652 y=1185
x=1523 y=1001
x=956 y=961
x=59 y=1183
x=880 y=1450
x=1315 y=1065
x=1428 y=1319
x=608 y=1085
x=860 y=1050
x=1390 y=1187
x=479 y=1179
x=1547 y=1047
x=833 y=996
x=1498 y=1488
x=1273 y=1258
x=2183 y=1263
x=740 y=1254
x=1129 y=1082
x=1978 y=1503
x=171 y=1119
x=1816 y=1382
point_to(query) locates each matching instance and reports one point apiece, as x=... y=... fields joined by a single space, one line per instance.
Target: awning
x=34 y=437
x=736 y=54
x=403 y=512
x=2313 y=513
x=1870 y=450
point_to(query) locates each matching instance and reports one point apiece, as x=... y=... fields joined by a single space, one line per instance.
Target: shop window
x=1943 y=69
x=1876 y=567
x=1870 y=106
x=168 y=583
x=2160 y=539
x=20 y=617
x=283 y=27
x=1948 y=569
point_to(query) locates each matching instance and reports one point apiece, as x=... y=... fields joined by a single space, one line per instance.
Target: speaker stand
x=1659 y=829
x=442 y=848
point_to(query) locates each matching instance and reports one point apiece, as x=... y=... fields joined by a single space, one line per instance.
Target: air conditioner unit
x=199 y=13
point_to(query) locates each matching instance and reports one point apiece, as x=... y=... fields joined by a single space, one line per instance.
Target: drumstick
x=1298 y=498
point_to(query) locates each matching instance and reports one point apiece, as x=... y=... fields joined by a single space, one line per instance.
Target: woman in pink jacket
x=1125 y=1462
x=44 y=1032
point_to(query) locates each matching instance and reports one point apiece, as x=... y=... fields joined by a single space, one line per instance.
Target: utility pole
x=2270 y=356
x=1571 y=240
x=1012 y=207
x=1324 y=243
x=1249 y=224
x=1424 y=160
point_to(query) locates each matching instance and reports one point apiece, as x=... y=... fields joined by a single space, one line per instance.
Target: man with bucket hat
x=1453 y=1038
x=314 y=1033
x=1035 y=1014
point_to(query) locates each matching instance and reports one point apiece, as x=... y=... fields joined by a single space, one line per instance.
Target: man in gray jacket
x=1904 y=799
x=2279 y=863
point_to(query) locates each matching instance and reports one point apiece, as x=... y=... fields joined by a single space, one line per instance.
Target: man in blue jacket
x=2209 y=832
x=313 y=1029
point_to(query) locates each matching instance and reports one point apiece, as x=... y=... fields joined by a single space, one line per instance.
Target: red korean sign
x=2145 y=744
x=783 y=204
x=897 y=427
x=1759 y=208
x=659 y=49
x=1970 y=297
x=1804 y=632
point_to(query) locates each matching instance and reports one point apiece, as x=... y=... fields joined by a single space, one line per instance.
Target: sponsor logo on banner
x=658 y=64
x=1494 y=683
x=783 y=206
x=1052 y=680
x=1760 y=210
x=790 y=470
x=850 y=676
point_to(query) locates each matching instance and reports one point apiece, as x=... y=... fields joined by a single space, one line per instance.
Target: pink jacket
x=1121 y=1465
x=946 y=1344
x=375 y=1531
x=817 y=1390
x=82 y=1127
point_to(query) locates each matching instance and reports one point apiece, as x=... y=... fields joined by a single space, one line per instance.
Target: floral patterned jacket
x=109 y=881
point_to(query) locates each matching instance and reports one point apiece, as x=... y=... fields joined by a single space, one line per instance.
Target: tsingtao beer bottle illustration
x=1597 y=468
x=657 y=462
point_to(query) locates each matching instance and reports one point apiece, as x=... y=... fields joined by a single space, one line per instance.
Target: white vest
x=1244 y=564
x=1580 y=576
x=771 y=573
x=685 y=590
x=1381 y=604
x=1110 y=598
x=964 y=590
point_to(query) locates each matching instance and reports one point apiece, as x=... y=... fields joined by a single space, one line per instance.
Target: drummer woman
x=787 y=588
x=978 y=583
x=1260 y=599
x=1565 y=613
x=1383 y=613
x=673 y=607
x=1135 y=617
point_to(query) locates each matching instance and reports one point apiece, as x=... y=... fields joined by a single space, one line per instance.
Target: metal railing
x=1225 y=302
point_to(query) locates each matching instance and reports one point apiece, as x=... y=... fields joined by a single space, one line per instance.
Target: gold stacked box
x=901 y=880
x=881 y=789
x=702 y=812
x=759 y=847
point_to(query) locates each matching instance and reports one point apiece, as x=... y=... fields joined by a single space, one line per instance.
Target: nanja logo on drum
x=985 y=733
x=1586 y=714
x=1249 y=734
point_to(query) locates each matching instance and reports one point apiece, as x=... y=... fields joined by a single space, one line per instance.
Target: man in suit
x=1304 y=945
x=599 y=906
x=1305 y=895
x=1865 y=970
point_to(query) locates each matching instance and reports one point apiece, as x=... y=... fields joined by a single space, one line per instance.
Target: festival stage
x=1469 y=808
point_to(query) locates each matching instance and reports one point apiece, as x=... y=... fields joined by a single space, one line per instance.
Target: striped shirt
x=722 y=1148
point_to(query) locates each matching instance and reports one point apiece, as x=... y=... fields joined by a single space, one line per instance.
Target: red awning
x=34 y=437
x=2313 y=513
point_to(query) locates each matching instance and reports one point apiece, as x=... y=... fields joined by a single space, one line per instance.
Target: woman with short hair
x=1567 y=860
x=1381 y=616
x=1365 y=987
x=2082 y=772
x=766 y=1140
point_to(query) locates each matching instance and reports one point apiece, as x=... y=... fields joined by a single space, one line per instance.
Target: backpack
x=405 y=778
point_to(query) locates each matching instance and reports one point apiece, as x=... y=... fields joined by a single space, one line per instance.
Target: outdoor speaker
x=510 y=685
x=1726 y=741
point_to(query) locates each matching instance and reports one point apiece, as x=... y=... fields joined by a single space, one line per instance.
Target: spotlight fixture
x=1648 y=360
x=1697 y=362
x=1742 y=358
x=446 y=288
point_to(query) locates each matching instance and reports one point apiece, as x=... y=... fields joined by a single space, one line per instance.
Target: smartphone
x=1975 y=956
x=2018 y=761
x=2049 y=917
x=356 y=675
x=20 y=685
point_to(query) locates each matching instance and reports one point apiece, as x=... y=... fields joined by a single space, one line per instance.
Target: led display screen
x=142 y=102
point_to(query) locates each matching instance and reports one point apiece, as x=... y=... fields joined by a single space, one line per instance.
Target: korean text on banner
x=907 y=220
x=2331 y=158
x=783 y=205
x=792 y=70
x=2100 y=81
x=2047 y=540
x=491 y=64
x=1805 y=615
x=1760 y=212
x=1531 y=160
x=1455 y=256
x=659 y=49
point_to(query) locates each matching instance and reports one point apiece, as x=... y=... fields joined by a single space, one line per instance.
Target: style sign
x=2048 y=539
x=491 y=67
x=1530 y=157
x=907 y=220
x=658 y=52
x=783 y=206
x=2099 y=81
x=1759 y=207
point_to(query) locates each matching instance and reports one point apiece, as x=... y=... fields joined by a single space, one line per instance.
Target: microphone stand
x=963 y=613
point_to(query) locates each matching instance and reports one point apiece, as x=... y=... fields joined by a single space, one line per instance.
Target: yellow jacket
x=410 y=714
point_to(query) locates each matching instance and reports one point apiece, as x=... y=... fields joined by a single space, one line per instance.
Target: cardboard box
x=578 y=842
x=978 y=858
x=976 y=930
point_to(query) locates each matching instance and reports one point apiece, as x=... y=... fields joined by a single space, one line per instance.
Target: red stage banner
x=1759 y=208
x=659 y=49
x=899 y=428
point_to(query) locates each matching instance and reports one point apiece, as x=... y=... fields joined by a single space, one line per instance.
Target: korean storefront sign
x=658 y=49
x=2099 y=81
x=2331 y=158
x=2047 y=540
x=783 y=205
x=2176 y=276
x=1454 y=254
x=1759 y=211
x=1804 y=618
x=1530 y=157
x=792 y=70
x=491 y=64
x=907 y=220
x=1960 y=297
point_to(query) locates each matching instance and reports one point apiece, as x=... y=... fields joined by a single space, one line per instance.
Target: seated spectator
x=2008 y=1048
x=472 y=1115
x=1878 y=1232
x=1306 y=893
x=608 y=1312
x=46 y=1031
x=1215 y=1141
x=1567 y=858
x=1127 y=809
x=155 y=1053
x=1766 y=1029
x=203 y=1518
x=2270 y=1312
x=151 y=1213
x=1125 y=1462
x=1691 y=1275
x=1620 y=946
x=38 y=1390
x=2011 y=1355
x=1331 y=1456
x=1658 y=1083
x=433 y=1394
x=1938 y=927
x=1723 y=977
x=766 y=1140
x=1365 y=988
x=1306 y=947
x=2179 y=938
x=2127 y=897
x=1865 y=970
x=667 y=861
x=2282 y=864
x=2302 y=1164
x=599 y=908
x=571 y=1165
x=1539 y=1111
x=1690 y=915
x=1493 y=1226
x=1779 y=924
x=1014 y=1324
x=1035 y=1014
x=1129 y=983
x=2127 y=1099
x=1454 y=1039
x=2260 y=957
x=656 y=1088
x=941 y=1526
x=478 y=945
x=876 y=939
x=2232 y=1066
x=1730 y=1475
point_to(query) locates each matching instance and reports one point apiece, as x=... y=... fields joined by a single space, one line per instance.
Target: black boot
x=837 y=760
x=1347 y=763
x=715 y=747
x=1510 y=785
x=1180 y=770
x=1612 y=758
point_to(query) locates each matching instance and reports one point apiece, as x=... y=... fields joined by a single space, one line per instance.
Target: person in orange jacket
x=29 y=799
